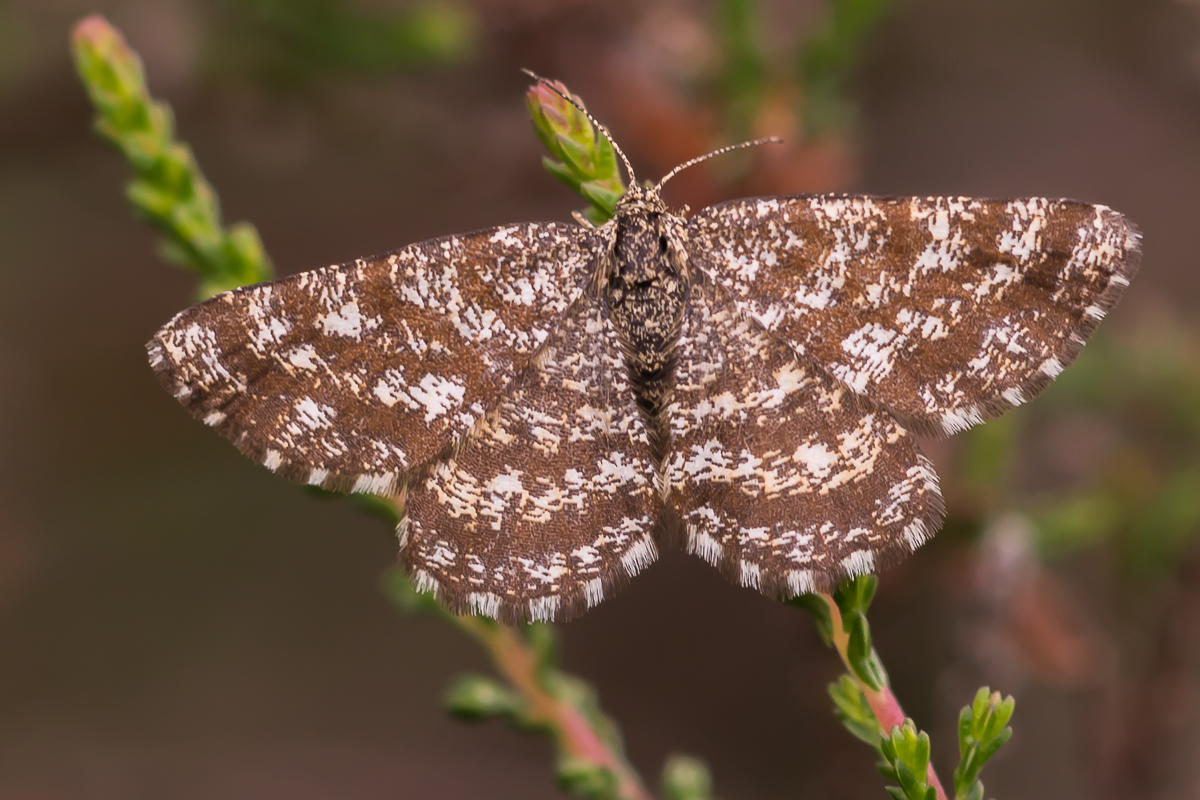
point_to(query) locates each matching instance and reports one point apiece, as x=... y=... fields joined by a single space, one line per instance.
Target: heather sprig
x=536 y=695
x=168 y=189
x=581 y=157
x=864 y=703
x=982 y=731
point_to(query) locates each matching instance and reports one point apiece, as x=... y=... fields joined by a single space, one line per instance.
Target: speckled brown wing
x=354 y=376
x=551 y=502
x=786 y=480
x=945 y=310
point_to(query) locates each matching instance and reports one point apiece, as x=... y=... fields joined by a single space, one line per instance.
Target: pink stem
x=883 y=702
x=573 y=731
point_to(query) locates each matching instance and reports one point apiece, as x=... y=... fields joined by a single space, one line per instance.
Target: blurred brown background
x=176 y=622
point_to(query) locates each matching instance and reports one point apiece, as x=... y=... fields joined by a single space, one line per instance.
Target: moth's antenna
x=595 y=122
x=718 y=152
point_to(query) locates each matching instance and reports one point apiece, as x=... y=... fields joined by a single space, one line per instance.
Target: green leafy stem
x=539 y=697
x=169 y=191
x=536 y=696
x=865 y=704
x=583 y=159
x=824 y=61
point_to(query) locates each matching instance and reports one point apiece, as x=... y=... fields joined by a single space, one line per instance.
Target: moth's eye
x=662 y=243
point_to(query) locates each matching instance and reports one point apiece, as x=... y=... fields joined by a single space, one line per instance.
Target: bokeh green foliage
x=829 y=56
x=818 y=71
x=745 y=70
x=1144 y=496
x=818 y=67
x=287 y=44
x=1140 y=496
x=686 y=778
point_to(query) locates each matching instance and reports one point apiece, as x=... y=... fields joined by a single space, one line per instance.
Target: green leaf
x=686 y=778
x=861 y=655
x=580 y=157
x=854 y=597
x=601 y=196
x=852 y=710
x=907 y=751
x=910 y=747
x=582 y=778
x=562 y=172
x=596 y=216
x=982 y=731
x=475 y=697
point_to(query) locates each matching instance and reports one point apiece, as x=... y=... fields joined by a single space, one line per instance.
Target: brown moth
x=552 y=403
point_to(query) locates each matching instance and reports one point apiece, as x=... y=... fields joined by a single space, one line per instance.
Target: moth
x=552 y=403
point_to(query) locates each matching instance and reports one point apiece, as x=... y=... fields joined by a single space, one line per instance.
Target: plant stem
x=574 y=732
x=883 y=702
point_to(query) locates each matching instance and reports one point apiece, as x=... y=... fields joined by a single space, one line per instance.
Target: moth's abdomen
x=646 y=299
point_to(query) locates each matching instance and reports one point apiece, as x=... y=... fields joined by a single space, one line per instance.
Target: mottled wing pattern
x=785 y=479
x=946 y=310
x=552 y=499
x=350 y=376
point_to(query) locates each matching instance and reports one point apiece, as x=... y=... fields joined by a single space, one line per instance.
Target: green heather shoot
x=866 y=706
x=168 y=189
x=581 y=157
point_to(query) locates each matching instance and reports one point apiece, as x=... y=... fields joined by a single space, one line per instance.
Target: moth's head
x=639 y=201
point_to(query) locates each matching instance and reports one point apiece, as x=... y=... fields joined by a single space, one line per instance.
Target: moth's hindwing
x=786 y=480
x=352 y=376
x=946 y=310
x=551 y=501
